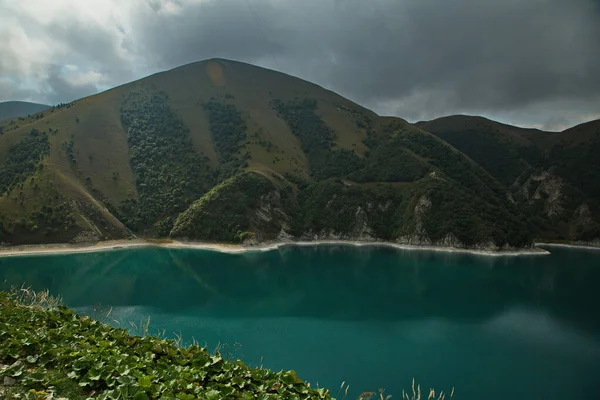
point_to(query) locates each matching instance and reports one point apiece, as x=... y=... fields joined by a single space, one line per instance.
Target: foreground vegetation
x=50 y=350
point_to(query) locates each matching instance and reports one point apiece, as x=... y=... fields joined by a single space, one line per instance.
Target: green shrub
x=227 y=212
x=168 y=172
x=51 y=350
x=24 y=159
x=317 y=140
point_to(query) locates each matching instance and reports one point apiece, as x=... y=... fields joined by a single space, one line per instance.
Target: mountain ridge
x=556 y=179
x=16 y=109
x=178 y=154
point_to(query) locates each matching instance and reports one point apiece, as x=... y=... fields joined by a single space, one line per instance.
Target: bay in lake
x=492 y=327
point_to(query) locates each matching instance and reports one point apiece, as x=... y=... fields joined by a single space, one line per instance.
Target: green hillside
x=225 y=151
x=16 y=109
x=552 y=176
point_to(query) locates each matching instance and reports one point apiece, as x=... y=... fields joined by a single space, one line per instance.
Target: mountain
x=225 y=151
x=16 y=109
x=552 y=176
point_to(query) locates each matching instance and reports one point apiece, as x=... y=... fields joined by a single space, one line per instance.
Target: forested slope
x=225 y=151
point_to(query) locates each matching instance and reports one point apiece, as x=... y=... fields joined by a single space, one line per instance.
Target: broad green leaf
x=93 y=375
x=212 y=395
x=32 y=359
x=141 y=396
x=144 y=382
x=126 y=379
x=84 y=382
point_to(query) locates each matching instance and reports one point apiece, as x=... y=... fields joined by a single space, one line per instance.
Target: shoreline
x=70 y=248
x=66 y=248
x=570 y=246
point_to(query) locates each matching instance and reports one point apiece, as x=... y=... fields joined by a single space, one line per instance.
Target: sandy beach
x=48 y=249
x=67 y=248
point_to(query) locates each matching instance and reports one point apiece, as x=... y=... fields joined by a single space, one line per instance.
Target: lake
x=523 y=327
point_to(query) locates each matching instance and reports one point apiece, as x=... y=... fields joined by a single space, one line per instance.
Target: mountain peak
x=224 y=150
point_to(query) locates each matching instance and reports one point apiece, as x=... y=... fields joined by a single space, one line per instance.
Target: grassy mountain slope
x=500 y=149
x=181 y=153
x=246 y=204
x=16 y=109
x=574 y=154
x=552 y=176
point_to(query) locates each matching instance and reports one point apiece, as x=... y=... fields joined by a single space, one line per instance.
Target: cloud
x=412 y=58
x=39 y=41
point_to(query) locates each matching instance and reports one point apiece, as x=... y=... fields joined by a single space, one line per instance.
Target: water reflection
x=334 y=282
x=494 y=328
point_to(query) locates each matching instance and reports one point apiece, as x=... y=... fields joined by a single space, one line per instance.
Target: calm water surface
x=493 y=327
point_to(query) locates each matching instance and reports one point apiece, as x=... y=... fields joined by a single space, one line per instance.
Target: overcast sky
x=526 y=62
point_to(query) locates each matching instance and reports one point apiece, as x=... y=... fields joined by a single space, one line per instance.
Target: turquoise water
x=493 y=327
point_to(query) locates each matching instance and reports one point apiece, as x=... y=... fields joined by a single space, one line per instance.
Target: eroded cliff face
x=252 y=208
x=421 y=209
x=269 y=220
x=361 y=228
x=583 y=221
x=547 y=188
x=245 y=208
x=565 y=210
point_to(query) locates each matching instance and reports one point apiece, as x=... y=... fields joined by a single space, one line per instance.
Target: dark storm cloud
x=205 y=30
x=95 y=51
x=532 y=62
x=60 y=87
x=417 y=59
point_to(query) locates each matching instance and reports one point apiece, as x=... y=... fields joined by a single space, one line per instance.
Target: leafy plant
x=52 y=350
